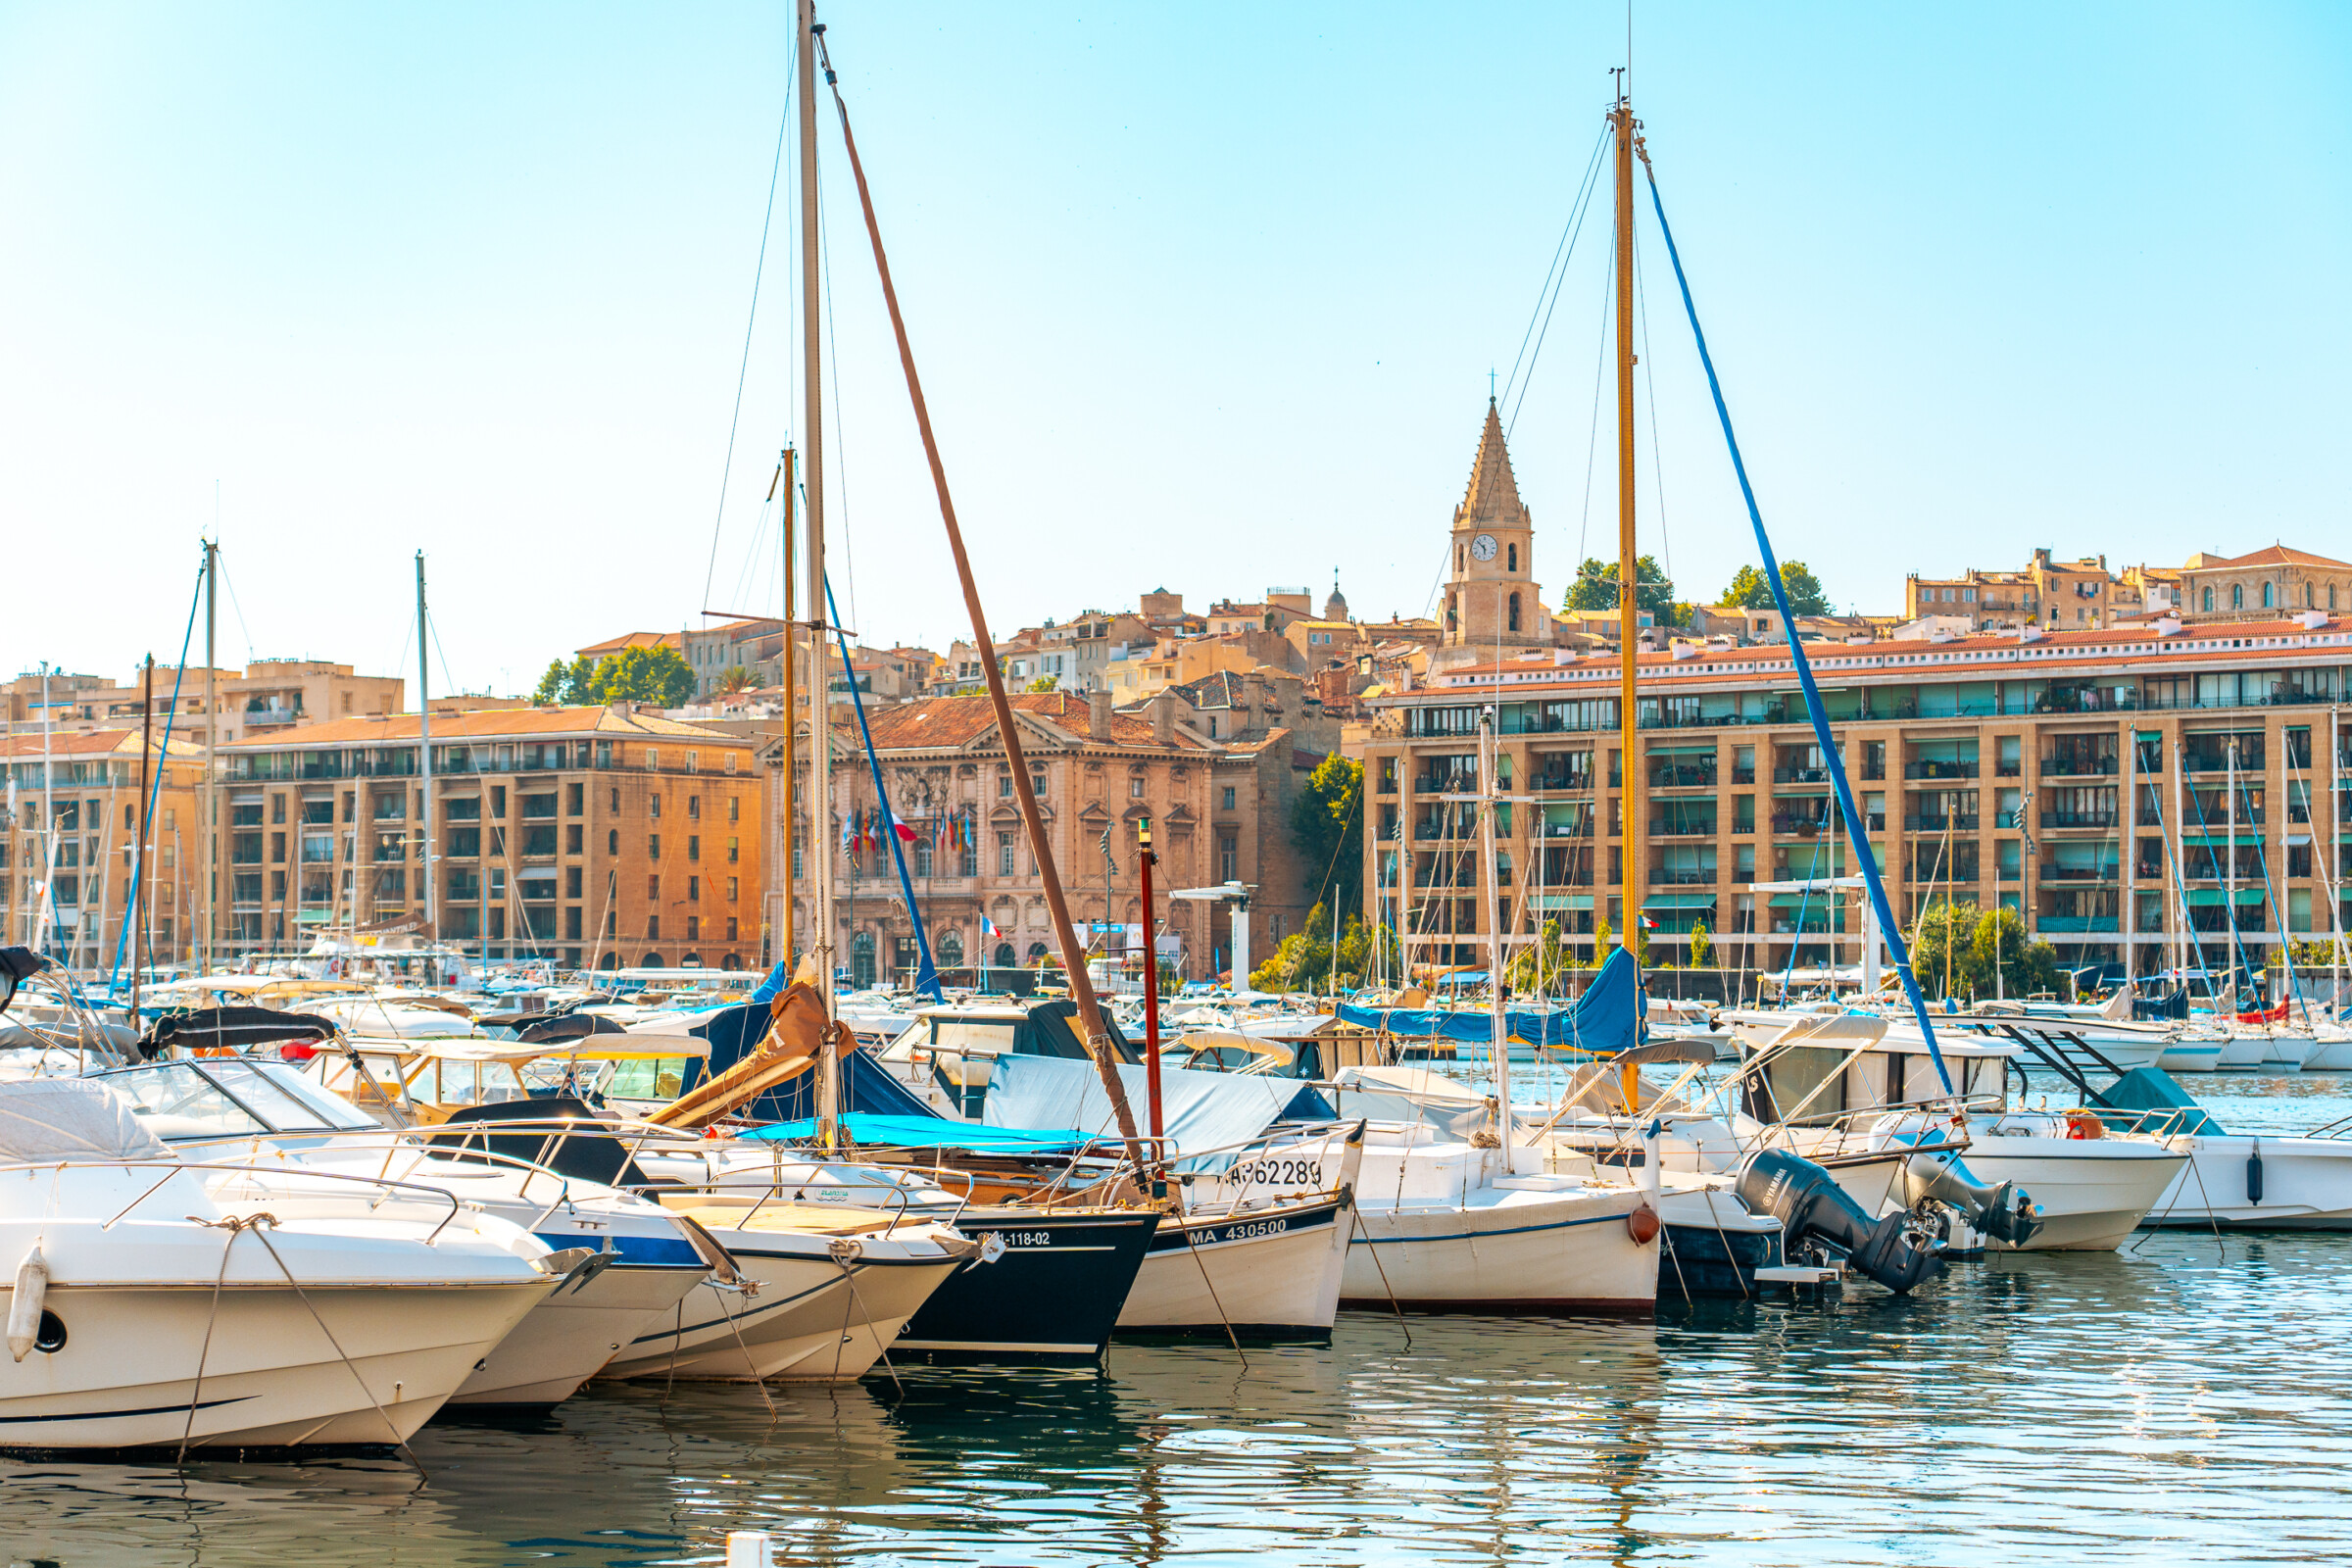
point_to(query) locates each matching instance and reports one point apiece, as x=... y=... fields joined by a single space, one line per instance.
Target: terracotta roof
x=497 y=723
x=1996 y=653
x=2271 y=555
x=633 y=639
x=954 y=722
x=92 y=743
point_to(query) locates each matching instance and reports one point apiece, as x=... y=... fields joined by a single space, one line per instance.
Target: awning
x=1679 y=900
x=1559 y=901
x=1682 y=749
x=2201 y=896
x=1790 y=900
x=2245 y=835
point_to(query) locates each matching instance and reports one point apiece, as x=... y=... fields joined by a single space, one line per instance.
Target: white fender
x=24 y=1305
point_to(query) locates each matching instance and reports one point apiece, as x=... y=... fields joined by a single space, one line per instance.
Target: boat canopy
x=934 y=1132
x=1606 y=1018
x=1214 y=1113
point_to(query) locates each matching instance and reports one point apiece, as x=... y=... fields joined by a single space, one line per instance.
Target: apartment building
x=266 y=695
x=2082 y=778
x=2056 y=594
x=67 y=836
x=1220 y=812
x=601 y=837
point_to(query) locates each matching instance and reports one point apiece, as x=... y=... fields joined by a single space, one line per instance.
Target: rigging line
x=1546 y=333
x=839 y=431
x=1553 y=274
x=433 y=628
x=1600 y=361
x=232 y=602
x=1649 y=387
x=743 y=369
x=1890 y=932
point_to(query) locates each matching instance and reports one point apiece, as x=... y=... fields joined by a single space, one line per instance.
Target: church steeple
x=1494 y=494
x=1491 y=596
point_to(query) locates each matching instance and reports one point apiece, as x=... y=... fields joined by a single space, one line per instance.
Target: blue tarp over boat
x=935 y=1132
x=1606 y=1018
x=1200 y=1111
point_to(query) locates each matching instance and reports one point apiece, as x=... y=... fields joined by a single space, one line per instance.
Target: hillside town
x=2055 y=737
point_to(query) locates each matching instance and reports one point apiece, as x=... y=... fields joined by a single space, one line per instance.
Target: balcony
x=2078 y=767
x=1683 y=776
x=1873 y=773
x=1704 y=877
x=1743 y=776
x=2076 y=924
x=2216 y=759
x=2078 y=818
x=1803 y=827
x=2080 y=873
x=1939 y=770
x=1683 y=830
x=1931 y=822
x=1445 y=783
x=1564 y=830
x=1559 y=783
x=2008 y=769
x=1800 y=775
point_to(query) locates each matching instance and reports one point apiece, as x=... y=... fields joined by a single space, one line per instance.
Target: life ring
x=2084 y=1124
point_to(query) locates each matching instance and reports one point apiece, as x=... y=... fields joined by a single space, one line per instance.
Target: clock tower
x=1491 y=596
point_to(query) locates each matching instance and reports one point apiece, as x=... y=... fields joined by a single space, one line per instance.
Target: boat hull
x=568 y=1338
x=1508 y=1248
x=2090 y=1192
x=1713 y=1246
x=1053 y=1295
x=2305 y=1185
x=126 y=1373
x=1270 y=1273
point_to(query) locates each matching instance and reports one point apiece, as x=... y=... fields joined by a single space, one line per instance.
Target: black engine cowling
x=1809 y=1202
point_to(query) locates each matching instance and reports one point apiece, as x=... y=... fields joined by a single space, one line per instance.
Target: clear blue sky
x=1205 y=296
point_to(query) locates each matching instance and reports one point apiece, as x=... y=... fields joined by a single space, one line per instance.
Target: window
x=612 y=841
x=734 y=805
x=653 y=888
x=694 y=808
x=734 y=851
x=653 y=928
x=1004 y=786
x=922 y=857
x=731 y=768
x=2238 y=596
x=694 y=890
x=1514 y=612
x=2209 y=601
x=1229 y=860
x=693 y=846
x=1512 y=556
x=277 y=847
x=652 y=759
x=734 y=888
x=2265 y=596
x=692 y=757
x=603 y=758
x=653 y=845
x=574 y=838
x=616 y=800
x=278 y=809
x=694 y=928
x=1227 y=799
x=731 y=927
x=1005 y=851
x=1135 y=788
x=653 y=803
x=572 y=882
x=575 y=800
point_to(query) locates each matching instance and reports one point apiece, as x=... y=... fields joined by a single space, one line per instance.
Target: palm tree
x=735 y=678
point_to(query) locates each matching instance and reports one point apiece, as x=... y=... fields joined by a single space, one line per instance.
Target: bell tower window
x=1514 y=609
x=1514 y=562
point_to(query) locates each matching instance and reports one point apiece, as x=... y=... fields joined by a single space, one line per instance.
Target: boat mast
x=48 y=823
x=212 y=737
x=424 y=771
x=1500 y=1043
x=2237 y=947
x=1628 y=787
x=1146 y=860
x=791 y=722
x=138 y=849
x=820 y=730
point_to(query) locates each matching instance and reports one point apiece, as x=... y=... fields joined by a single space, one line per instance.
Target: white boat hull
x=2306 y=1185
x=568 y=1338
x=1270 y=1272
x=2090 y=1192
x=1520 y=1245
x=2191 y=1056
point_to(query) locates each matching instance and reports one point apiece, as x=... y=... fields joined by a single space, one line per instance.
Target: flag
x=1647 y=925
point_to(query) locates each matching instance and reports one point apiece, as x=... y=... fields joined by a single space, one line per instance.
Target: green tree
x=735 y=678
x=1604 y=936
x=1946 y=945
x=1999 y=942
x=1701 y=945
x=1595 y=588
x=551 y=684
x=660 y=676
x=1750 y=590
x=1327 y=829
x=566 y=683
x=1304 y=959
x=1535 y=968
x=1043 y=683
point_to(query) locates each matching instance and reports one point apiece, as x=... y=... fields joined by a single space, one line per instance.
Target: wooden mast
x=820 y=731
x=1628 y=762
x=785 y=797
x=1073 y=957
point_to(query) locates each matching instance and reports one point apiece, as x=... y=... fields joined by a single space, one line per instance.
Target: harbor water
x=2178 y=1400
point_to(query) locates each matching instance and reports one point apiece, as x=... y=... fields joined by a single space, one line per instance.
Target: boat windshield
x=291 y=1103
x=174 y=1100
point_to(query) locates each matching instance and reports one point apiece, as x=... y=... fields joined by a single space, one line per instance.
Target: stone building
x=1492 y=598
x=600 y=837
x=67 y=842
x=2276 y=582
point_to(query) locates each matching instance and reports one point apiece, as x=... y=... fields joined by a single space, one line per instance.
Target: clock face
x=1482 y=548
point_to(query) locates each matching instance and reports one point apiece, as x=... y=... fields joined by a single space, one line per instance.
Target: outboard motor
x=1808 y=1202
x=2004 y=1212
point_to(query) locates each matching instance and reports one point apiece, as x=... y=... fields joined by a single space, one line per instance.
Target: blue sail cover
x=1606 y=1018
x=932 y=1132
x=1200 y=1111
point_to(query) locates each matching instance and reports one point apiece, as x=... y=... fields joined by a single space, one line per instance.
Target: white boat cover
x=1207 y=1115
x=66 y=1118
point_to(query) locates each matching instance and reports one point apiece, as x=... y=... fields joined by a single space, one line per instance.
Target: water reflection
x=2171 y=1403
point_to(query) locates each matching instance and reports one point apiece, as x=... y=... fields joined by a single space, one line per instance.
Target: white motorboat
x=2089 y=1193
x=151 y=1313
x=1260 y=1246
x=263 y=1114
x=2196 y=1050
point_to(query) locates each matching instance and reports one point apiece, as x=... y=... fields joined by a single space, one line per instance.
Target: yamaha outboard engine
x=2004 y=1212
x=1809 y=1202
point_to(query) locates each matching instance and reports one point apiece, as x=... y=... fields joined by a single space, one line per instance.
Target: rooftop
x=510 y=724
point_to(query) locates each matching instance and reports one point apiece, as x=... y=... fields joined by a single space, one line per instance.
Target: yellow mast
x=1628 y=788
x=792 y=721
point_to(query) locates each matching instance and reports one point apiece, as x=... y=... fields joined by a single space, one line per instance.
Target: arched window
x=2238 y=596
x=1514 y=612
x=652 y=960
x=1038 y=950
x=1004 y=958
x=692 y=961
x=2332 y=596
x=1514 y=558
x=950 y=951
x=862 y=960
x=733 y=961
x=2209 y=601
x=610 y=960
x=2307 y=596
x=2265 y=596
